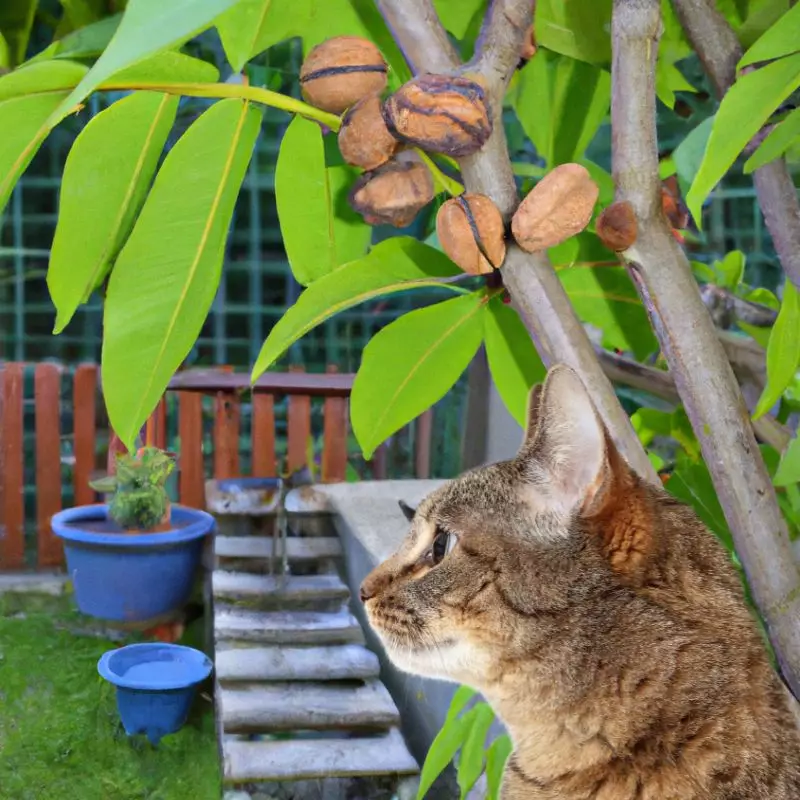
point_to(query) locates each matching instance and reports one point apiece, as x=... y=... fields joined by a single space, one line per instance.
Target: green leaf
x=456 y=15
x=789 y=467
x=461 y=697
x=305 y=199
x=730 y=270
x=513 y=361
x=742 y=112
x=761 y=15
x=692 y=484
x=146 y=28
x=560 y=103
x=167 y=67
x=605 y=297
x=22 y=120
x=496 y=758
x=395 y=265
x=122 y=144
x=47 y=76
x=5 y=53
x=88 y=42
x=410 y=364
x=16 y=21
x=579 y=28
x=783 y=351
x=441 y=752
x=251 y=26
x=166 y=276
x=470 y=762
x=672 y=47
x=780 y=139
x=688 y=155
x=669 y=79
x=79 y=13
x=782 y=39
x=351 y=234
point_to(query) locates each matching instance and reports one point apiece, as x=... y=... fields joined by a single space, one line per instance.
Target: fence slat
x=84 y=431
x=227 y=418
x=160 y=424
x=262 y=438
x=47 y=394
x=12 y=543
x=422 y=445
x=191 y=479
x=334 y=438
x=298 y=419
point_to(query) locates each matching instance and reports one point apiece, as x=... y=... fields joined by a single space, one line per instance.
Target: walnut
x=364 y=139
x=472 y=233
x=340 y=71
x=558 y=207
x=441 y=114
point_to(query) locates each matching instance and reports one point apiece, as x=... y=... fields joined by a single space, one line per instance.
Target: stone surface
x=53 y=584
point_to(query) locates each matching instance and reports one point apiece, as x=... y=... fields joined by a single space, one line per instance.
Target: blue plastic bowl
x=131 y=578
x=155 y=685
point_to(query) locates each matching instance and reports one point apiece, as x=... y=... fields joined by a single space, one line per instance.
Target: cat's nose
x=370 y=586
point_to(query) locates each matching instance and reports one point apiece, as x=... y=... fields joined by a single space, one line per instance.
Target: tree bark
x=697 y=361
x=530 y=278
x=718 y=48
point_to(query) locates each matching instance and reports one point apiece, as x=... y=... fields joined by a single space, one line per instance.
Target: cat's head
x=497 y=559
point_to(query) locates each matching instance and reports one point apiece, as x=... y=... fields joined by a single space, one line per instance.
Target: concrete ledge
x=49 y=583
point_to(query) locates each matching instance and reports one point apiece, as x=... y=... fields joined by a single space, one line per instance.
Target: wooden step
x=265 y=708
x=298 y=548
x=286 y=627
x=345 y=662
x=245 y=586
x=317 y=759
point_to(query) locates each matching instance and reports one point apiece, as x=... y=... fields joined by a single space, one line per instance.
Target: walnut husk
x=617 y=226
x=471 y=232
x=338 y=72
x=441 y=114
x=393 y=194
x=364 y=139
x=558 y=207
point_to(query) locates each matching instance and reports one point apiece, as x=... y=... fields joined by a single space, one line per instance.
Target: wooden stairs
x=298 y=694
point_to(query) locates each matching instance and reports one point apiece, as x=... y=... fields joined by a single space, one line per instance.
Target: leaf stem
x=222 y=90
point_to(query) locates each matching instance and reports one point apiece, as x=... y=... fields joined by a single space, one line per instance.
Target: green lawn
x=60 y=736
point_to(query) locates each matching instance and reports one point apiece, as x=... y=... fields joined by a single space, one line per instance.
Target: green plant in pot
x=139 y=501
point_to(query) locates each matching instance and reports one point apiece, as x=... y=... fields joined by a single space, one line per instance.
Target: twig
x=697 y=361
x=726 y=308
x=530 y=279
x=718 y=48
x=659 y=383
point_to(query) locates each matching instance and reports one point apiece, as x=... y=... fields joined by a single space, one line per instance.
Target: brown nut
x=617 y=226
x=441 y=114
x=364 y=139
x=340 y=71
x=559 y=206
x=393 y=194
x=472 y=233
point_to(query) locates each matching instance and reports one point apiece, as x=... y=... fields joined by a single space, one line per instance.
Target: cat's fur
x=604 y=623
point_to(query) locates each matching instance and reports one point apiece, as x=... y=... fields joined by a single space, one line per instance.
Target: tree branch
x=689 y=341
x=530 y=279
x=718 y=48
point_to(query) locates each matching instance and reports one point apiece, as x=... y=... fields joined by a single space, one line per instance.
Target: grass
x=60 y=735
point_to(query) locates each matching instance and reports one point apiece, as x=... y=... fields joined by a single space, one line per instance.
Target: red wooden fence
x=224 y=386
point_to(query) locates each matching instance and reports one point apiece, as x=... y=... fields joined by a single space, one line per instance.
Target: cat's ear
x=408 y=512
x=566 y=449
x=532 y=414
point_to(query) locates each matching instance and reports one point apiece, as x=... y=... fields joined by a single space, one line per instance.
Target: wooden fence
x=93 y=444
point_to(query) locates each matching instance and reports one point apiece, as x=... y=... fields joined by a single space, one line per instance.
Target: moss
x=60 y=735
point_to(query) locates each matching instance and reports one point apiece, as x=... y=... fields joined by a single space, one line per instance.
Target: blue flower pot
x=155 y=685
x=131 y=578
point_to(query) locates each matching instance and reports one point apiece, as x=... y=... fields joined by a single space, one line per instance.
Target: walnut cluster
x=442 y=114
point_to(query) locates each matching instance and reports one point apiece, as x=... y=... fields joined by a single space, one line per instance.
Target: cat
x=602 y=621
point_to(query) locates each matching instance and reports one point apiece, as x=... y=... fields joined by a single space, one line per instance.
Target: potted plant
x=133 y=560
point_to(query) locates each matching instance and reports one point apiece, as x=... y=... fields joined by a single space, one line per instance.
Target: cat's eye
x=443 y=543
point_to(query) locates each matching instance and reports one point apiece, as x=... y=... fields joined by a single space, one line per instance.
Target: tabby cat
x=603 y=622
